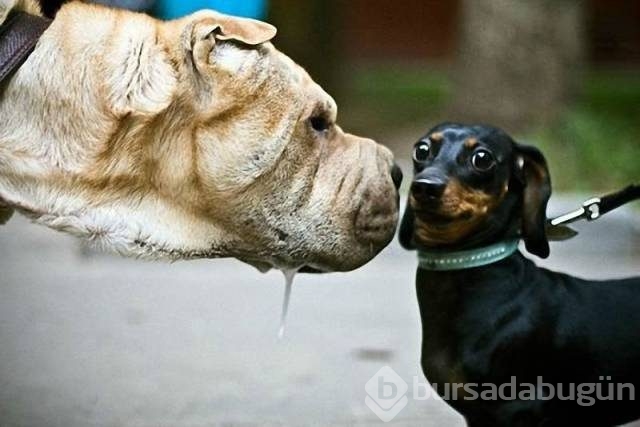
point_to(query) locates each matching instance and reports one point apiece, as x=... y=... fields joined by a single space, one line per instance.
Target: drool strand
x=288 y=284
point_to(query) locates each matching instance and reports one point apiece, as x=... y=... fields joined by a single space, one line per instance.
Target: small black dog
x=489 y=315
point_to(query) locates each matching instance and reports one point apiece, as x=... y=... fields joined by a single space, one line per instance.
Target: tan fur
x=470 y=142
x=466 y=209
x=187 y=139
x=436 y=137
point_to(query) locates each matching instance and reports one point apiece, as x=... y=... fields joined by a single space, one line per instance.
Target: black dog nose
x=396 y=175
x=428 y=188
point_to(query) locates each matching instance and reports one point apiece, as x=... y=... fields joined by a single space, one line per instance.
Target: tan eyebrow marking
x=471 y=142
x=436 y=137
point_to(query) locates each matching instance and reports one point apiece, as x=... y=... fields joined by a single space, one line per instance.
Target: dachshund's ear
x=532 y=172
x=405 y=235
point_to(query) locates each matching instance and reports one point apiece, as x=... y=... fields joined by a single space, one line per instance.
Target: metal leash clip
x=590 y=211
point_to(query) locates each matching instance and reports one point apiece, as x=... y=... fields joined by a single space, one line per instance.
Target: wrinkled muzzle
x=362 y=212
x=337 y=221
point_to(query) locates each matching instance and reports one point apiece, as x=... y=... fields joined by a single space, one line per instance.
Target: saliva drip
x=288 y=284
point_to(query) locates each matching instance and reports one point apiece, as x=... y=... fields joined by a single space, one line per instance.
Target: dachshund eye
x=483 y=161
x=319 y=123
x=422 y=151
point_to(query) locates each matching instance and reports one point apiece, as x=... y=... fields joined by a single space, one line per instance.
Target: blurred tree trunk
x=309 y=32
x=519 y=61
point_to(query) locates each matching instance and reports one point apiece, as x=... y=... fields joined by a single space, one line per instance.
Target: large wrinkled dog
x=489 y=315
x=187 y=139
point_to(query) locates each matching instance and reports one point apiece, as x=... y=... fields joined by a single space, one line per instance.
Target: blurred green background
x=560 y=74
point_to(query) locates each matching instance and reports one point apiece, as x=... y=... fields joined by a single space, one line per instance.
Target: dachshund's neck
x=515 y=268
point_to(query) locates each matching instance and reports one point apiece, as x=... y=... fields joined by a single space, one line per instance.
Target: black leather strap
x=615 y=200
x=18 y=37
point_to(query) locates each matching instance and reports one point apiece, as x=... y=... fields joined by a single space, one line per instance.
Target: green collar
x=461 y=260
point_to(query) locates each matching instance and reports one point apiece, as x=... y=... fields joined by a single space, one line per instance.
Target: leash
x=590 y=210
x=19 y=34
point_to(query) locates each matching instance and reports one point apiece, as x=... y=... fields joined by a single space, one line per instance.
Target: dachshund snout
x=428 y=189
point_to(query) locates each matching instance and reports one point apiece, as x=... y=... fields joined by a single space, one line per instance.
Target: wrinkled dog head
x=191 y=138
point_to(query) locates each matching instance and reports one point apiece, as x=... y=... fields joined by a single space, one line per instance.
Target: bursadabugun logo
x=386 y=394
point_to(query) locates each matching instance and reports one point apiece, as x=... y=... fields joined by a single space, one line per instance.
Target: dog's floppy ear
x=405 y=235
x=207 y=27
x=532 y=172
x=244 y=30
